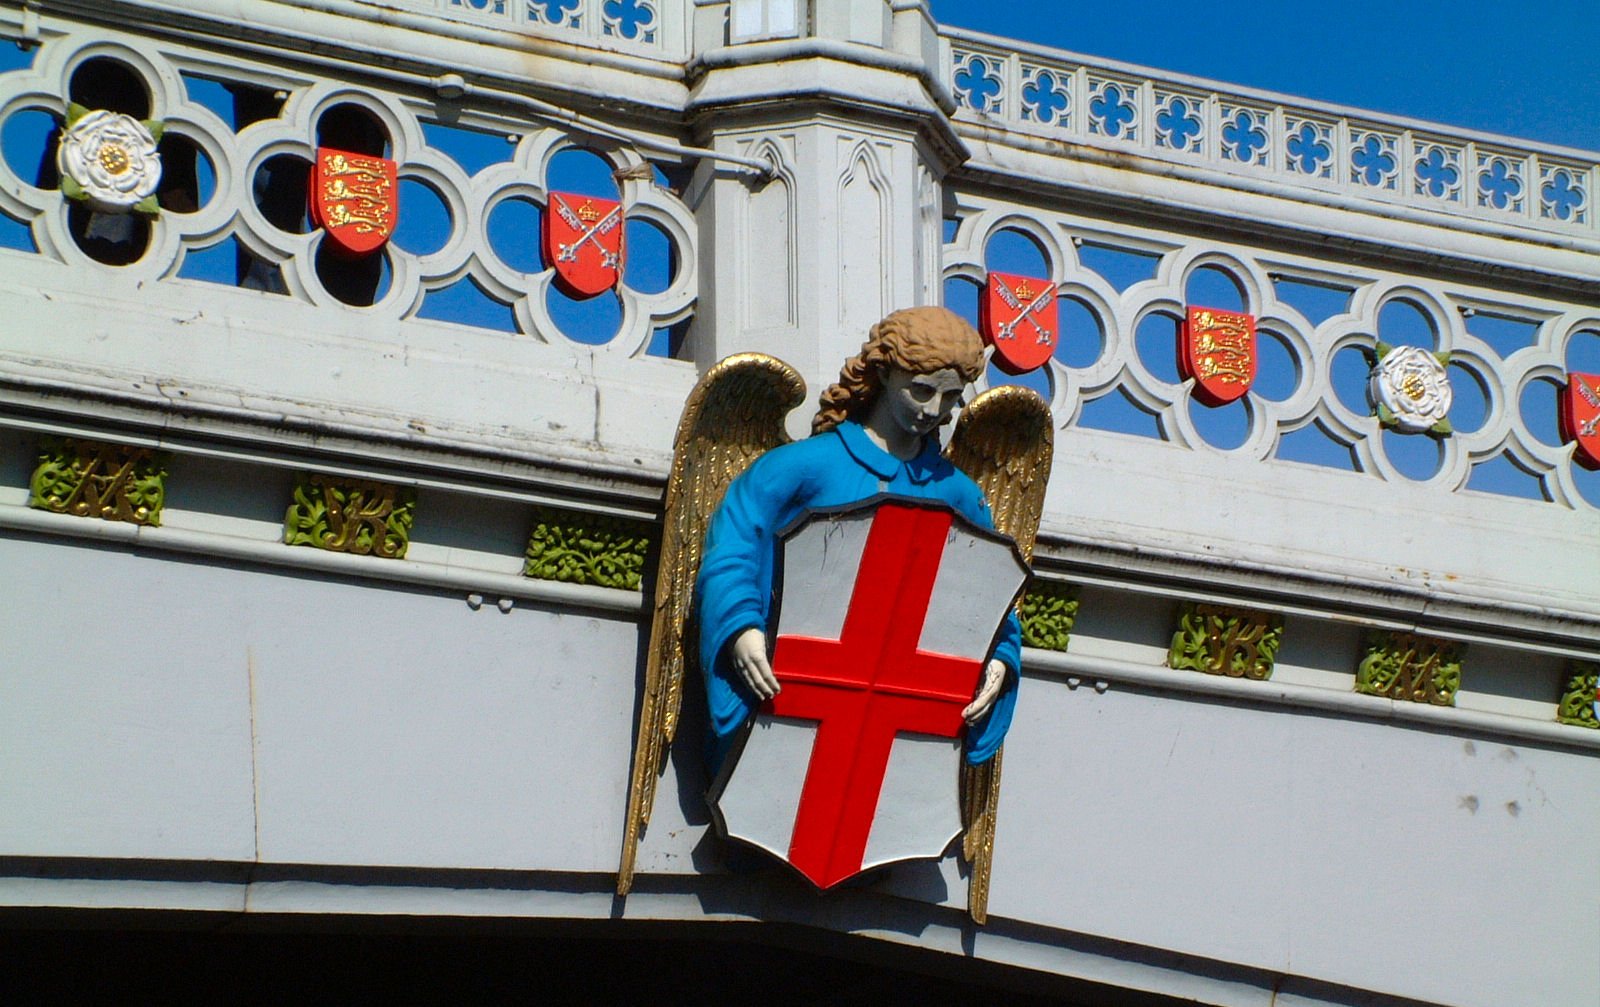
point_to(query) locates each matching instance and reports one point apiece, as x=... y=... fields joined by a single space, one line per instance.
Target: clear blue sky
x=1527 y=70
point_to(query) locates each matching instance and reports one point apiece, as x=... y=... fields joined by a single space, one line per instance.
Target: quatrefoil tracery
x=237 y=159
x=1312 y=348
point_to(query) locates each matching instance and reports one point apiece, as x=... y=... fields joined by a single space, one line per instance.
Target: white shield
x=886 y=613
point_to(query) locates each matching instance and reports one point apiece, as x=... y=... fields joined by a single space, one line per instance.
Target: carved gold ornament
x=111 y=482
x=1410 y=667
x=1238 y=643
x=733 y=416
x=1005 y=441
x=1410 y=390
x=354 y=516
x=109 y=161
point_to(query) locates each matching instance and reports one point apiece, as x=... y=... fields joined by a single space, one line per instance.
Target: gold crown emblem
x=1023 y=290
x=587 y=213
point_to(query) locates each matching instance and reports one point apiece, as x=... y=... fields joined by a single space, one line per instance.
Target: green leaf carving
x=57 y=476
x=1407 y=666
x=1048 y=611
x=149 y=206
x=354 y=516
x=1381 y=350
x=156 y=128
x=75 y=112
x=1441 y=428
x=1443 y=356
x=582 y=548
x=1386 y=416
x=1236 y=642
x=1576 y=706
x=112 y=482
x=71 y=189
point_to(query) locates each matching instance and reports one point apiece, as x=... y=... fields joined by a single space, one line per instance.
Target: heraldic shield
x=1579 y=418
x=887 y=612
x=355 y=199
x=583 y=241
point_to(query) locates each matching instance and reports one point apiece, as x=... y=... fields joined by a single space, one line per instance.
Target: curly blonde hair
x=919 y=340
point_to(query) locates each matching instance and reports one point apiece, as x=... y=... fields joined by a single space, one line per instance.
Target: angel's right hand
x=749 y=654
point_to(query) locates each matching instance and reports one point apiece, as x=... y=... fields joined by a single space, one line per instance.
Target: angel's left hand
x=994 y=679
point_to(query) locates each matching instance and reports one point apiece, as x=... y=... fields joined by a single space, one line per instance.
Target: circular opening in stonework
x=1214 y=287
x=115 y=239
x=280 y=191
x=188 y=179
x=357 y=281
x=1017 y=252
x=352 y=128
x=110 y=84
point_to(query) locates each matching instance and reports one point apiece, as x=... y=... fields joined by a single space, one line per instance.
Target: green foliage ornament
x=1410 y=667
x=593 y=549
x=1238 y=643
x=1577 y=703
x=354 y=516
x=1048 y=611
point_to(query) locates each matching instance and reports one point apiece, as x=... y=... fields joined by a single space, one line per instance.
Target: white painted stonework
x=267 y=720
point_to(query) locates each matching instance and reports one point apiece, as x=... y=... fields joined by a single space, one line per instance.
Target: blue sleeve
x=733 y=590
x=984 y=738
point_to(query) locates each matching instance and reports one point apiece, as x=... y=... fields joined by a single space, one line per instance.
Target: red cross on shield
x=855 y=762
x=583 y=242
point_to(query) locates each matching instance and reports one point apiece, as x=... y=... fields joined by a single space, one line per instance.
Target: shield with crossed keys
x=583 y=242
x=1579 y=417
x=1018 y=318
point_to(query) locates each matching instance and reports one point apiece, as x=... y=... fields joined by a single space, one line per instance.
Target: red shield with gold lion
x=1579 y=417
x=583 y=241
x=1017 y=316
x=354 y=199
x=1218 y=350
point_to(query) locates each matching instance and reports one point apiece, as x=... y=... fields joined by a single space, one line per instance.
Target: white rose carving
x=112 y=158
x=1412 y=386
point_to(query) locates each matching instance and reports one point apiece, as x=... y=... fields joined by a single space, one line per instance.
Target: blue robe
x=734 y=589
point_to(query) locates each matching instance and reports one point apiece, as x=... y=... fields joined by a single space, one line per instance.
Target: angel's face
x=918 y=403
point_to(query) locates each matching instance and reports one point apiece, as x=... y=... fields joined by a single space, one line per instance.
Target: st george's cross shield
x=354 y=199
x=1579 y=417
x=1218 y=350
x=887 y=612
x=1018 y=317
x=583 y=241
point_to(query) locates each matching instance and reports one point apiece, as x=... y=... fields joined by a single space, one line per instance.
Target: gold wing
x=733 y=416
x=1005 y=441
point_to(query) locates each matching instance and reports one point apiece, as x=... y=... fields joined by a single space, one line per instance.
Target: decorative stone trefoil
x=109 y=161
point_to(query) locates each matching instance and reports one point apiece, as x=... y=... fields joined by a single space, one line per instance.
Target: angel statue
x=737 y=482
